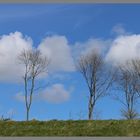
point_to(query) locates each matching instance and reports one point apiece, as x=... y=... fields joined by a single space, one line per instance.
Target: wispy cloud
x=20 y=11
x=56 y=94
x=89 y=45
x=19 y=97
x=118 y=29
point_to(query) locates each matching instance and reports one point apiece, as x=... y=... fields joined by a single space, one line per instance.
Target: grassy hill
x=71 y=128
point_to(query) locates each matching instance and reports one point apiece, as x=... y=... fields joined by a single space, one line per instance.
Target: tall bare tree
x=127 y=82
x=134 y=67
x=35 y=64
x=94 y=71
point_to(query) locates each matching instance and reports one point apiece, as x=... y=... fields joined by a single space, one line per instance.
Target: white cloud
x=92 y=44
x=55 y=94
x=119 y=29
x=10 y=47
x=20 y=97
x=124 y=48
x=57 y=49
x=61 y=76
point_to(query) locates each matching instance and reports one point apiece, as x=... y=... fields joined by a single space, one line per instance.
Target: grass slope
x=71 y=128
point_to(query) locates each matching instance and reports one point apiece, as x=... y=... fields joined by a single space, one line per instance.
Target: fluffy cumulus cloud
x=10 y=47
x=124 y=48
x=61 y=54
x=57 y=49
x=55 y=94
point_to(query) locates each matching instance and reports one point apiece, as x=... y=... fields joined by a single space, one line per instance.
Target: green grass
x=71 y=128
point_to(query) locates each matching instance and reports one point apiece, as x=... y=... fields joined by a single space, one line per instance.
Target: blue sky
x=76 y=27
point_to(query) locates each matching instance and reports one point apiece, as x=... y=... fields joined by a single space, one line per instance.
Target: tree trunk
x=27 y=114
x=90 y=109
x=90 y=114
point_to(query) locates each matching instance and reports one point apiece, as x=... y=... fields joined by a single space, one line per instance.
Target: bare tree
x=94 y=71
x=126 y=82
x=134 y=67
x=35 y=64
